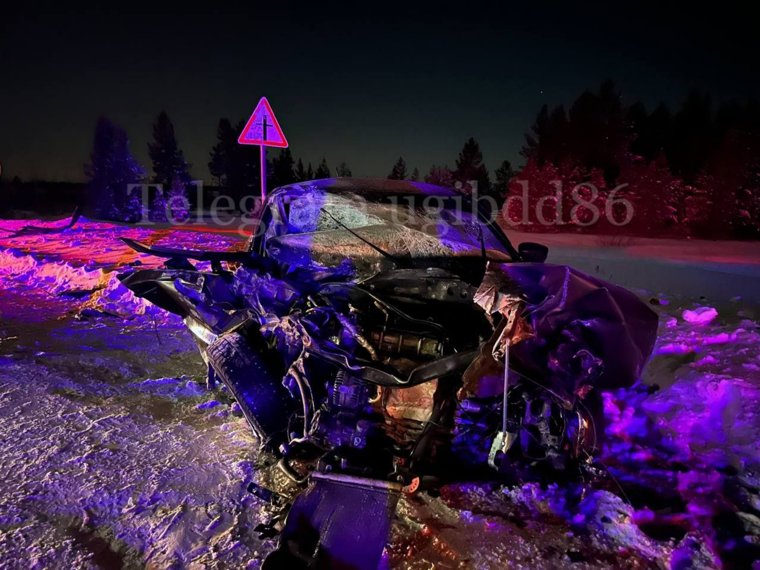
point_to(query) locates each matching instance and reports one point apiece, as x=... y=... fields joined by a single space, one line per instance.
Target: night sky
x=362 y=85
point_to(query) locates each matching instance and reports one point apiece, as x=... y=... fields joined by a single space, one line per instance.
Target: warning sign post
x=262 y=129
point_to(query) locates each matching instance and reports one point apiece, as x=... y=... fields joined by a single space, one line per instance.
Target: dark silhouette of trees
x=170 y=170
x=300 y=171
x=503 y=175
x=549 y=137
x=733 y=175
x=470 y=169
x=591 y=133
x=283 y=169
x=308 y=173
x=398 y=172
x=440 y=176
x=692 y=171
x=110 y=170
x=343 y=170
x=695 y=137
x=597 y=130
x=222 y=156
x=652 y=133
x=168 y=159
x=235 y=167
x=323 y=171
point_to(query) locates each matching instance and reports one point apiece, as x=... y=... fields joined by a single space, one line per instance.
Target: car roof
x=380 y=187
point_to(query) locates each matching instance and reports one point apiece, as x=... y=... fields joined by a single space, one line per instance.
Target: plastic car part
x=340 y=521
x=265 y=402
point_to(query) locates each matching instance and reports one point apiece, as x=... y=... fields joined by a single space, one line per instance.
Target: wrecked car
x=382 y=337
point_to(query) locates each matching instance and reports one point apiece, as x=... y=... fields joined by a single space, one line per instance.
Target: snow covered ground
x=115 y=456
x=712 y=272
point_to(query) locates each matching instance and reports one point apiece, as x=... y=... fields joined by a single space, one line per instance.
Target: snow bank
x=54 y=277
x=97 y=244
x=78 y=266
x=85 y=289
x=116 y=299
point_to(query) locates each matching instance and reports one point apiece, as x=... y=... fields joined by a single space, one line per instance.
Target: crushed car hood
x=584 y=331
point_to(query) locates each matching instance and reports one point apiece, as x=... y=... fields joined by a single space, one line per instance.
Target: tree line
x=112 y=170
x=689 y=171
x=693 y=170
x=235 y=169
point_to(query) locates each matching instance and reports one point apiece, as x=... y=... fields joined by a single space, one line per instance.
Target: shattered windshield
x=417 y=226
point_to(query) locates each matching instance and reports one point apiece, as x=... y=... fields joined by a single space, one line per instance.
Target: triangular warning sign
x=262 y=128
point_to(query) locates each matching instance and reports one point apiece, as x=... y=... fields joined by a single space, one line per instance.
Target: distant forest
x=692 y=171
x=689 y=171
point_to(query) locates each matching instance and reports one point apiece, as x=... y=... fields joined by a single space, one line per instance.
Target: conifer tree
x=322 y=170
x=398 y=172
x=283 y=171
x=112 y=168
x=300 y=171
x=343 y=170
x=168 y=159
x=470 y=170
